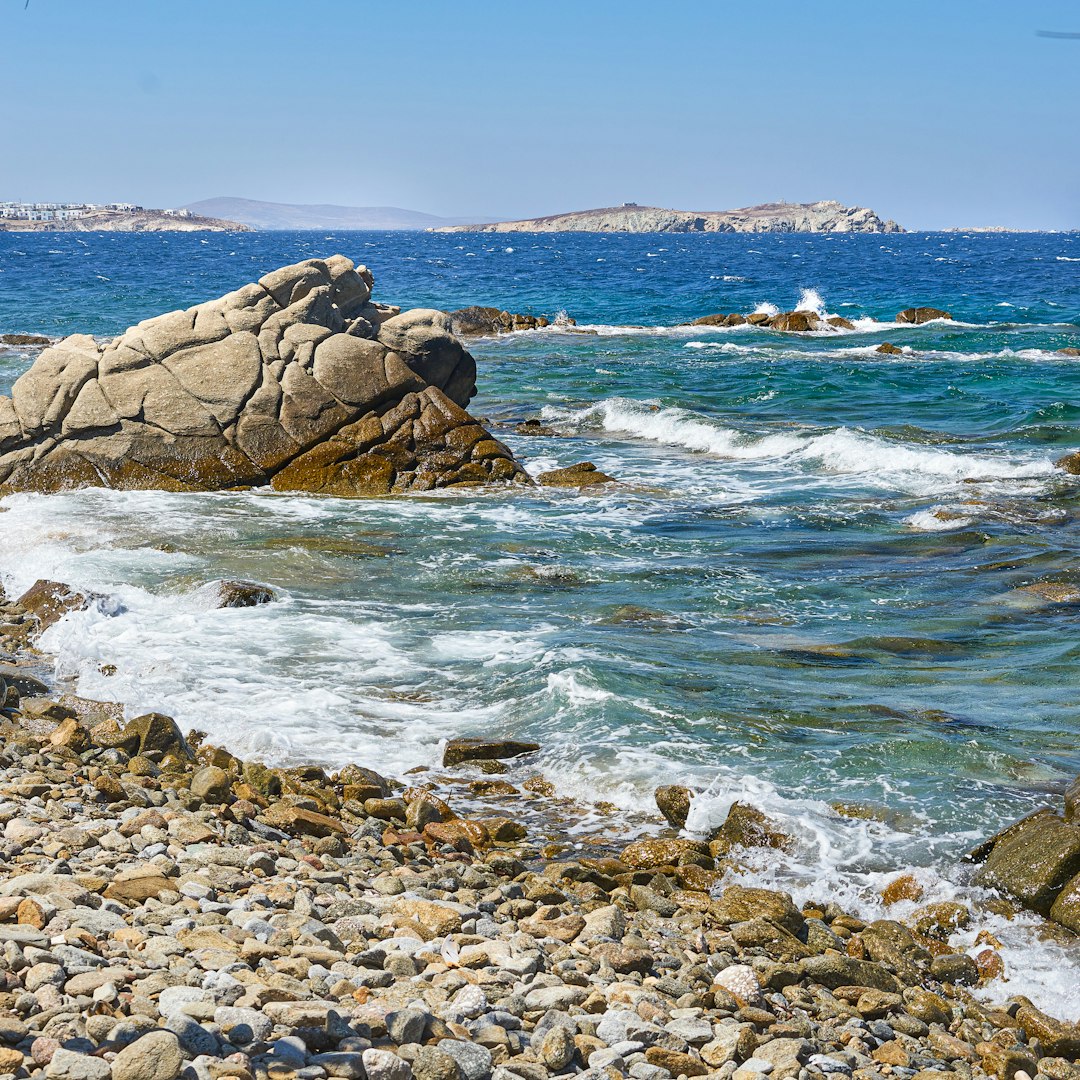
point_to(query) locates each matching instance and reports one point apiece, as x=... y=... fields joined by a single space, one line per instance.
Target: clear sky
x=950 y=112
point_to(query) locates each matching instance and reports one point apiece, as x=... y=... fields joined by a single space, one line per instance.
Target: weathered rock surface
x=298 y=381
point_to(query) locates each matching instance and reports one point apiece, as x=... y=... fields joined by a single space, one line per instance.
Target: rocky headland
x=168 y=909
x=126 y=221
x=297 y=381
x=825 y=216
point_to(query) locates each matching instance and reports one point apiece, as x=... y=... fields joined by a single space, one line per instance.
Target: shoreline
x=166 y=902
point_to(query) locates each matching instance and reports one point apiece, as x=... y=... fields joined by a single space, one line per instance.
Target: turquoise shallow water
x=813 y=586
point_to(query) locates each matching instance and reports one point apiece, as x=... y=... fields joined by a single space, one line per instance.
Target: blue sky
x=933 y=113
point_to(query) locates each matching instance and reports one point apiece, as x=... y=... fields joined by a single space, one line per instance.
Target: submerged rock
x=469 y=749
x=50 y=601
x=239 y=594
x=298 y=381
x=535 y=427
x=584 y=474
x=919 y=315
x=746 y=826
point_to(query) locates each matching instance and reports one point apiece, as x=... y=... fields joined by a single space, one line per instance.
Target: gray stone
x=642 y=1070
x=554 y=997
x=243 y=1025
x=695 y=1032
x=12 y=1030
x=431 y=1063
x=473 y=1060
x=347 y=1065
x=407 y=1025
x=606 y=1058
x=622 y=1025
x=69 y=1065
x=193 y=1037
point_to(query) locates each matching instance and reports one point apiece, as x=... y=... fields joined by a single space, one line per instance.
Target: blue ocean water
x=813 y=587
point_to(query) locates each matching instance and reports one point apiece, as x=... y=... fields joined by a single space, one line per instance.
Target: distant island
x=108 y=217
x=818 y=217
x=271 y=215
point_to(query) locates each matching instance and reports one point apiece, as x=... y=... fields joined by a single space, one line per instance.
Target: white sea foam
x=930 y=521
x=338 y=680
x=840 y=451
x=810 y=300
x=851 y=860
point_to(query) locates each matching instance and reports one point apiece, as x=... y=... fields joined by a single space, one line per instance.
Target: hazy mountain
x=269 y=215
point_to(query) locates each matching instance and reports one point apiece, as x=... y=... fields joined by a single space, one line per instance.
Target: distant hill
x=827 y=216
x=128 y=221
x=269 y=215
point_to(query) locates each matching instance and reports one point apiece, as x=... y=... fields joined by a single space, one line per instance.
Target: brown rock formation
x=919 y=315
x=298 y=381
x=481 y=321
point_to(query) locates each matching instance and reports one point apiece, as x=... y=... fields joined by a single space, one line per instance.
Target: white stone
x=383 y=1065
x=740 y=980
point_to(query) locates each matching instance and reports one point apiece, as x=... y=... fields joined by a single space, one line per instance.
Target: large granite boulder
x=298 y=381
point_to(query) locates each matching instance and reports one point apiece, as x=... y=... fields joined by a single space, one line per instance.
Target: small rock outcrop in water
x=1036 y=861
x=788 y=321
x=918 y=315
x=584 y=474
x=24 y=339
x=473 y=749
x=481 y=321
x=1070 y=463
x=298 y=381
x=240 y=594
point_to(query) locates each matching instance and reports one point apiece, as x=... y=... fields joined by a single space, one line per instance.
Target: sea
x=811 y=589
